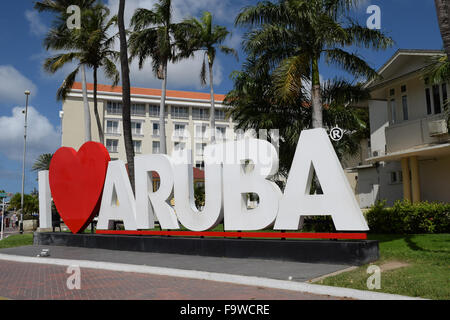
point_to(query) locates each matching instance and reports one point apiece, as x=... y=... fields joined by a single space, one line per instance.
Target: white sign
x=233 y=170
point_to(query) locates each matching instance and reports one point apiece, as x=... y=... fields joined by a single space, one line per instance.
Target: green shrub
x=318 y=224
x=408 y=218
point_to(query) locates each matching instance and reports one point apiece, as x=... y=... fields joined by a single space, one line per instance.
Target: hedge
x=403 y=218
x=408 y=218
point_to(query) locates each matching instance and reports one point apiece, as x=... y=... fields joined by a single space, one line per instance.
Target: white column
x=45 y=201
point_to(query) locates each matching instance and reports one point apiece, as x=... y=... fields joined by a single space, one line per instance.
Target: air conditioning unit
x=437 y=128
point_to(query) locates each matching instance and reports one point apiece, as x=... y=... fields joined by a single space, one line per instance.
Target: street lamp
x=27 y=93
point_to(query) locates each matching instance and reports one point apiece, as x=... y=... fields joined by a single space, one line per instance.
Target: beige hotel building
x=187 y=120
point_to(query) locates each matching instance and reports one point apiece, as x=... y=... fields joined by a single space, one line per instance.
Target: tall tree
x=294 y=36
x=90 y=46
x=205 y=36
x=254 y=103
x=154 y=37
x=59 y=8
x=126 y=93
x=443 y=14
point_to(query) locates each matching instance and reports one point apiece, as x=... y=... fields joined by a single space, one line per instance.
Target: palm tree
x=254 y=103
x=90 y=46
x=43 y=162
x=126 y=94
x=442 y=10
x=204 y=36
x=293 y=36
x=154 y=37
x=59 y=7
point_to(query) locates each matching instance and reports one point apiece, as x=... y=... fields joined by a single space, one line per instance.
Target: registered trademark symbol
x=336 y=134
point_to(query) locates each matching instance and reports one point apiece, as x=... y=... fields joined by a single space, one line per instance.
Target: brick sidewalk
x=26 y=281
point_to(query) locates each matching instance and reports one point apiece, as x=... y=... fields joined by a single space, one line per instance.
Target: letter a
x=374 y=21
x=315 y=151
x=118 y=202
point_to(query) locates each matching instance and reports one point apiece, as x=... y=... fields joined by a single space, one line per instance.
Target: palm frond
x=67 y=85
x=350 y=62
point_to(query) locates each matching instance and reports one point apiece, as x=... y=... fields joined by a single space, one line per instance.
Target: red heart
x=76 y=183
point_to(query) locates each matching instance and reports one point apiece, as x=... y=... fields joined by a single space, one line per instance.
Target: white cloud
x=13 y=85
x=222 y=10
x=42 y=136
x=37 y=27
x=187 y=72
x=234 y=41
x=182 y=74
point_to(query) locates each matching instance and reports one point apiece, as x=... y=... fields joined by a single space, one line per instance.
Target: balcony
x=410 y=134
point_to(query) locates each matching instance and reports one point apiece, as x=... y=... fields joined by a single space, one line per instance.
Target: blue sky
x=411 y=23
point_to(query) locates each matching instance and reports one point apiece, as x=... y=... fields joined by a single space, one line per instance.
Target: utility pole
x=27 y=93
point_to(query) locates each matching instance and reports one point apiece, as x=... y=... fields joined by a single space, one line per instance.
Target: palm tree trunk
x=87 y=112
x=213 y=106
x=162 y=111
x=442 y=9
x=316 y=96
x=101 y=135
x=126 y=94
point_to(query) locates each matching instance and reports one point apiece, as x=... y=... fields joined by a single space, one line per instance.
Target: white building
x=187 y=120
x=409 y=147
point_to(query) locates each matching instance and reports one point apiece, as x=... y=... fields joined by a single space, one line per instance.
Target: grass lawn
x=426 y=276
x=17 y=241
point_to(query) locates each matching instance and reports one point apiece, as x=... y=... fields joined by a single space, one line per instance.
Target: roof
x=152 y=92
x=198 y=174
x=402 y=53
x=420 y=151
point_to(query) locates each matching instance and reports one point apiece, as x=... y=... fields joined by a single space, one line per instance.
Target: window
x=180 y=130
x=180 y=112
x=200 y=114
x=396 y=177
x=436 y=99
x=114 y=107
x=112 y=145
x=220 y=115
x=403 y=88
x=405 y=107
x=392 y=92
x=200 y=165
x=221 y=133
x=154 y=111
x=201 y=132
x=156 y=131
x=156 y=147
x=112 y=127
x=199 y=149
x=428 y=97
x=137 y=146
x=179 y=146
x=136 y=128
x=393 y=111
x=138 y=110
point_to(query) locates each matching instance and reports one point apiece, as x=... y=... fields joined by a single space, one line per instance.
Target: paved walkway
x=109 y=274
x=27 y=281
x=280 y=270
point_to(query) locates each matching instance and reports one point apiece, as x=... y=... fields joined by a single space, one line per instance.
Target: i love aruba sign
x=86 y=183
